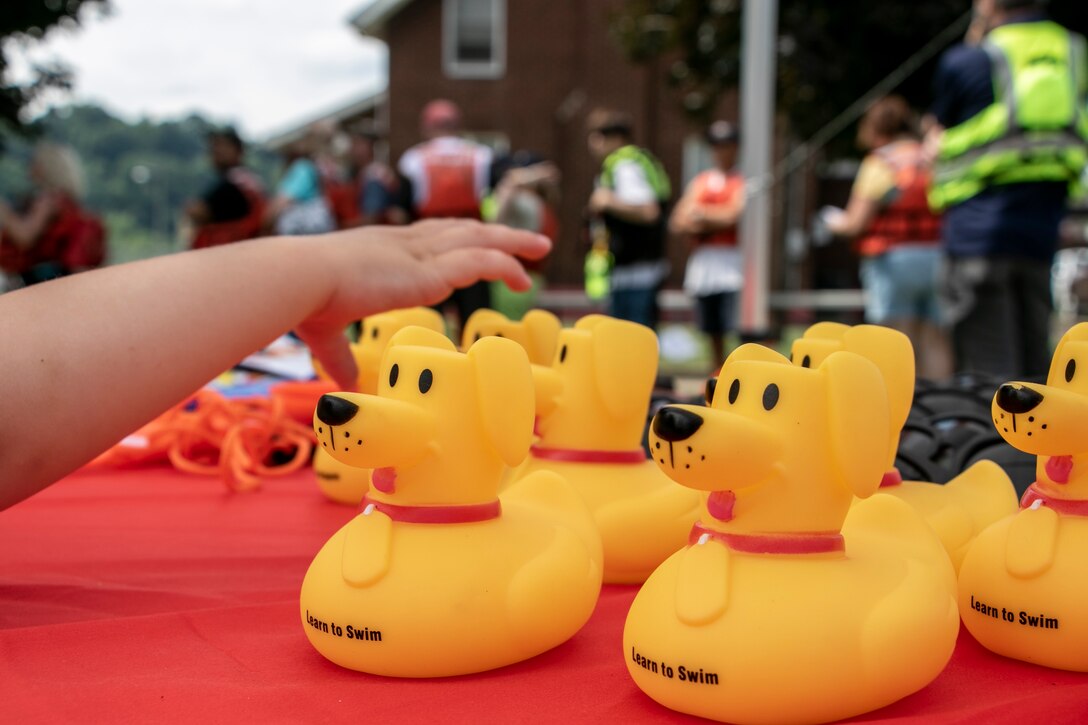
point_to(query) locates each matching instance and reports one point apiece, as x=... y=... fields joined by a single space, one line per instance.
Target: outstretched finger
x=332 y=350
x=463 y=267
x=444 y=237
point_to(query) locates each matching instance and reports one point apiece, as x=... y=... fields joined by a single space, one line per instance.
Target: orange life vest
x=451 y=184
x=717 y=188
x=907 y=218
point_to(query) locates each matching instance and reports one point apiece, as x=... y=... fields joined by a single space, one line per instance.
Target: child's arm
x=87 y=359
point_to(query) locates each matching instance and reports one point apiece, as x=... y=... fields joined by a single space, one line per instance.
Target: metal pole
x=759 y=46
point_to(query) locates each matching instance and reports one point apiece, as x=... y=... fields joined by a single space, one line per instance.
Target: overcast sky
x=263 y=64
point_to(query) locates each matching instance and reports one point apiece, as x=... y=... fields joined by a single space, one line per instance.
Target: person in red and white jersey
x=449 y=177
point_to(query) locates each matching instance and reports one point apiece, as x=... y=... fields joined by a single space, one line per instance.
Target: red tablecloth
x=155 y=596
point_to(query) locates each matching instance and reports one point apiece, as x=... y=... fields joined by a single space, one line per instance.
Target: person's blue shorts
x=901 y=284
x=637 y=305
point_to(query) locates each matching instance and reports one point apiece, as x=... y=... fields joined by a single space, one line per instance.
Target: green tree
x=830 y=52
x=23 y=22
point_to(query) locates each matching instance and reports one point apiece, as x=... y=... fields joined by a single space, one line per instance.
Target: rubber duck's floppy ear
x=817 y=342
x=504 y=385
x=625 y=366
x=857 y=413
x=891 y=351
x=479 y=319
x=543 y=333
x=751 y=351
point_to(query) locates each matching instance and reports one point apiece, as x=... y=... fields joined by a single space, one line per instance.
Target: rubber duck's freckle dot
x=1031 y=418
x=702 y=458
x=661 y=459
x=1005 y=429
x=347 y=435
x=358 y=443
x=687 y=465
x=323 y=443
x=1002 y=415
x=1044 y=426
x=689 y=449
x=320 y=430
x=657 y=445
x=1029 y=433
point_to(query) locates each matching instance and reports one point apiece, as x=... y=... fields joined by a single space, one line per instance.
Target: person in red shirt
x=707 y=214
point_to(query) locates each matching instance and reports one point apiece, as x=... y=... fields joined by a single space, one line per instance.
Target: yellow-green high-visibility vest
x=1037 y=127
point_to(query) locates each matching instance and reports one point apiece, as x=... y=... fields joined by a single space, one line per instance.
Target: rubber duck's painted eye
x=1070 y=370
x=426 y=379
x=374 y=333
x=563 y=353
x=770 y=397
x=393 y=373
x=710 y=385
x=806 y=362
x=734 y=390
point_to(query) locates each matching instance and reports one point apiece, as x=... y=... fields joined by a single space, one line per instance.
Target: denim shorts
x=716 y=314
x=901 y=284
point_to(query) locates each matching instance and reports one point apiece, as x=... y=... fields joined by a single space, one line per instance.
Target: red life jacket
x=451 y=184
x=73 y=238
x=717 y=188
x=907 y=218
x=343 y=198
x=237 y=230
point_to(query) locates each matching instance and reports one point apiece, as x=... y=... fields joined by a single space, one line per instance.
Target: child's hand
x=385 y=268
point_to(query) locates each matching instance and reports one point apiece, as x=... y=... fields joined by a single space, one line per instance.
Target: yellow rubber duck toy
x=438 y=575
x=348 y=484
x=1024 y=581
x=957 y=510
x=592 y=404
x=784 y=607
x=537 y=332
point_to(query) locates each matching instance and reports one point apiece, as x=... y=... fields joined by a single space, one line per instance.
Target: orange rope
x=242 y=441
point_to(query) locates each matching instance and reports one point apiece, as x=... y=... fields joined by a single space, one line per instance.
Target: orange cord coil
x=240 y=440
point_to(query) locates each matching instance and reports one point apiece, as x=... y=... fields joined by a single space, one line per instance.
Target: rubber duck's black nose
x=676 y=424
x=334 y=410
x=1017 y=399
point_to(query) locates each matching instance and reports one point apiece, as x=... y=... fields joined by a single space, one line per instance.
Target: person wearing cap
x=449 y=177
x=232 y=207
x=707 y=215
x=896 y=234
x=629 y=201
x=1010 y=135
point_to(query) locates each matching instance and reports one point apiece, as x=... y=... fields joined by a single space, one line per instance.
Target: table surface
x=150 y=595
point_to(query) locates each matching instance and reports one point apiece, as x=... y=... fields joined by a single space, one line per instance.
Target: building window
x=474 y=38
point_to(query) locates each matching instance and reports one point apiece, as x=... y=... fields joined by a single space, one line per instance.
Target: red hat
x=440 y=115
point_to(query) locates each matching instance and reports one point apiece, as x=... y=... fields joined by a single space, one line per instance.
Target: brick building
x=526 y=74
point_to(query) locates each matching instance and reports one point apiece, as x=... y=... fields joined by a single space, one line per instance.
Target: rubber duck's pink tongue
x=720 y=505
x=1058 y=468
x=384 y=479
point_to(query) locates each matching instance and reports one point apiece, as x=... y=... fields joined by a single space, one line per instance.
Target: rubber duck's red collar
x=1064 y=506
x=577 y=455
x=891 y=478
x=463 y=514
x=819 y=542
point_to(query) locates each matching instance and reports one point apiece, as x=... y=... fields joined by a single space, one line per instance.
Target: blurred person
x=50 y=234
x=896 y=234
x=628 y=201
x=525 y=196
x=707 y=215
x=379 y=194
x=1009 y=135
x=300 y=206
x=449 y=176
x=232 y=208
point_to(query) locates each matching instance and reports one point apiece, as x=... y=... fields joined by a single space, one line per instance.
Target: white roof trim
x=371 y=18
x=359 y=105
